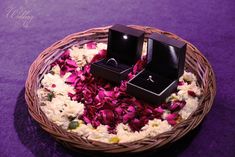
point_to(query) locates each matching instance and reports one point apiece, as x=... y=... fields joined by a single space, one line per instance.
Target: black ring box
x=165 y=64
x=125 y=47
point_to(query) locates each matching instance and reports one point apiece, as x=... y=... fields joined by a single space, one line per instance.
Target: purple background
x=209 y=25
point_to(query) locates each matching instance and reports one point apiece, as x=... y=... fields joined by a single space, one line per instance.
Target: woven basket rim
x=73 y=140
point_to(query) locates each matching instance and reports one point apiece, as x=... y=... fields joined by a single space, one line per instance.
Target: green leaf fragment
x=73 y=125
x=50 y=96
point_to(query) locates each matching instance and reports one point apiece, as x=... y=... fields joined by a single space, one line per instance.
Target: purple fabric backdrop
x=29 y=26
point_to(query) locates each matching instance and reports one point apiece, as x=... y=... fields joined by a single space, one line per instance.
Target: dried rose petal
x=107 y=86
x=147 y=112
x=71 y=63
x=171 y=118
x=72 y=78
x=107 y=104
x=165 y=105
x=128 y=116
x=91 y=45
x=176 y=105
x=131 y=109
x=108 y=93
x=107 y=116
x=86 y=119
x=130 y=75
x=101 y=94
x=123 y=86
x=65 y=55
x=99 y=56
x=137 y=124
x=119 y=111
x=172 y=122
x=192 y=93
x=138 y=66
x=180 y=83
x=159 y=110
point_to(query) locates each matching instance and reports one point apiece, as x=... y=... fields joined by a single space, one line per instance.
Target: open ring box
x=165 y=64
x=124 y=49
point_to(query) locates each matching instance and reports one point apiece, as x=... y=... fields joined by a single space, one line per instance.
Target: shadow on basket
x=42 y=144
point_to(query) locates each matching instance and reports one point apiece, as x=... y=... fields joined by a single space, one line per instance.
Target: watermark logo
x=20 y=15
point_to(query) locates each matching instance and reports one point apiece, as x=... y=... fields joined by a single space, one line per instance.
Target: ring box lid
x=125 y=44
x=166 y=56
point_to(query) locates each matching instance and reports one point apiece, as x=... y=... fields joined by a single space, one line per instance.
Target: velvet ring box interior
x=124 y=49
x=165 y=64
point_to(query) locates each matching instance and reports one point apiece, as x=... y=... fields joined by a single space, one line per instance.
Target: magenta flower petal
x=159 y=110
x=89 y=101
x=108 y=93
x=86 y=69
x=123 y=86
x=128 y=116
x=114 y=102
x=131 y=109
x=62 y=72
x=107 y=86
x=119 y=111
x=72 y=78
x=172 y=122
x=102 y=53
x=71 y=63
x=86 y=119
x=109 y=104
x=101 y=94
x=99 y=105
x=192 y=93
x=171 y=118
x=138 y=66
x=137 y=124
x=70 y=95
x=95 y=123
x=165 y=105
x=180 y=83
x=135 y=69
x=99 y=56
x=107 y=116
x=130 y=75
x=176 y=105
x=148 y=112
x=66 y=54
x=91 y=45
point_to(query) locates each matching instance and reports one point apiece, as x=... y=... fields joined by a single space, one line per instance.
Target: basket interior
x=195 y=63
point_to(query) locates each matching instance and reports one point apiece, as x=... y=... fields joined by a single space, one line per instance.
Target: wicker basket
x=195 y=62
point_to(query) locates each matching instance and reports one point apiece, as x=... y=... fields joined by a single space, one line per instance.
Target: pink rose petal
x=192 y=93
x=71 y=63
x=109 y=104
x=107 y=116
x=99 y=56
x=176 y=105
x=180 y=83
x=171 y=118
x=91 y=45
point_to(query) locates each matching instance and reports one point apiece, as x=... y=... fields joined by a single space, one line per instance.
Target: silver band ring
x=112 y=61
x=150 y=78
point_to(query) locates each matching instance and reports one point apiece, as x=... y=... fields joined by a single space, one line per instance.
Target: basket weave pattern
x=195 y=62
